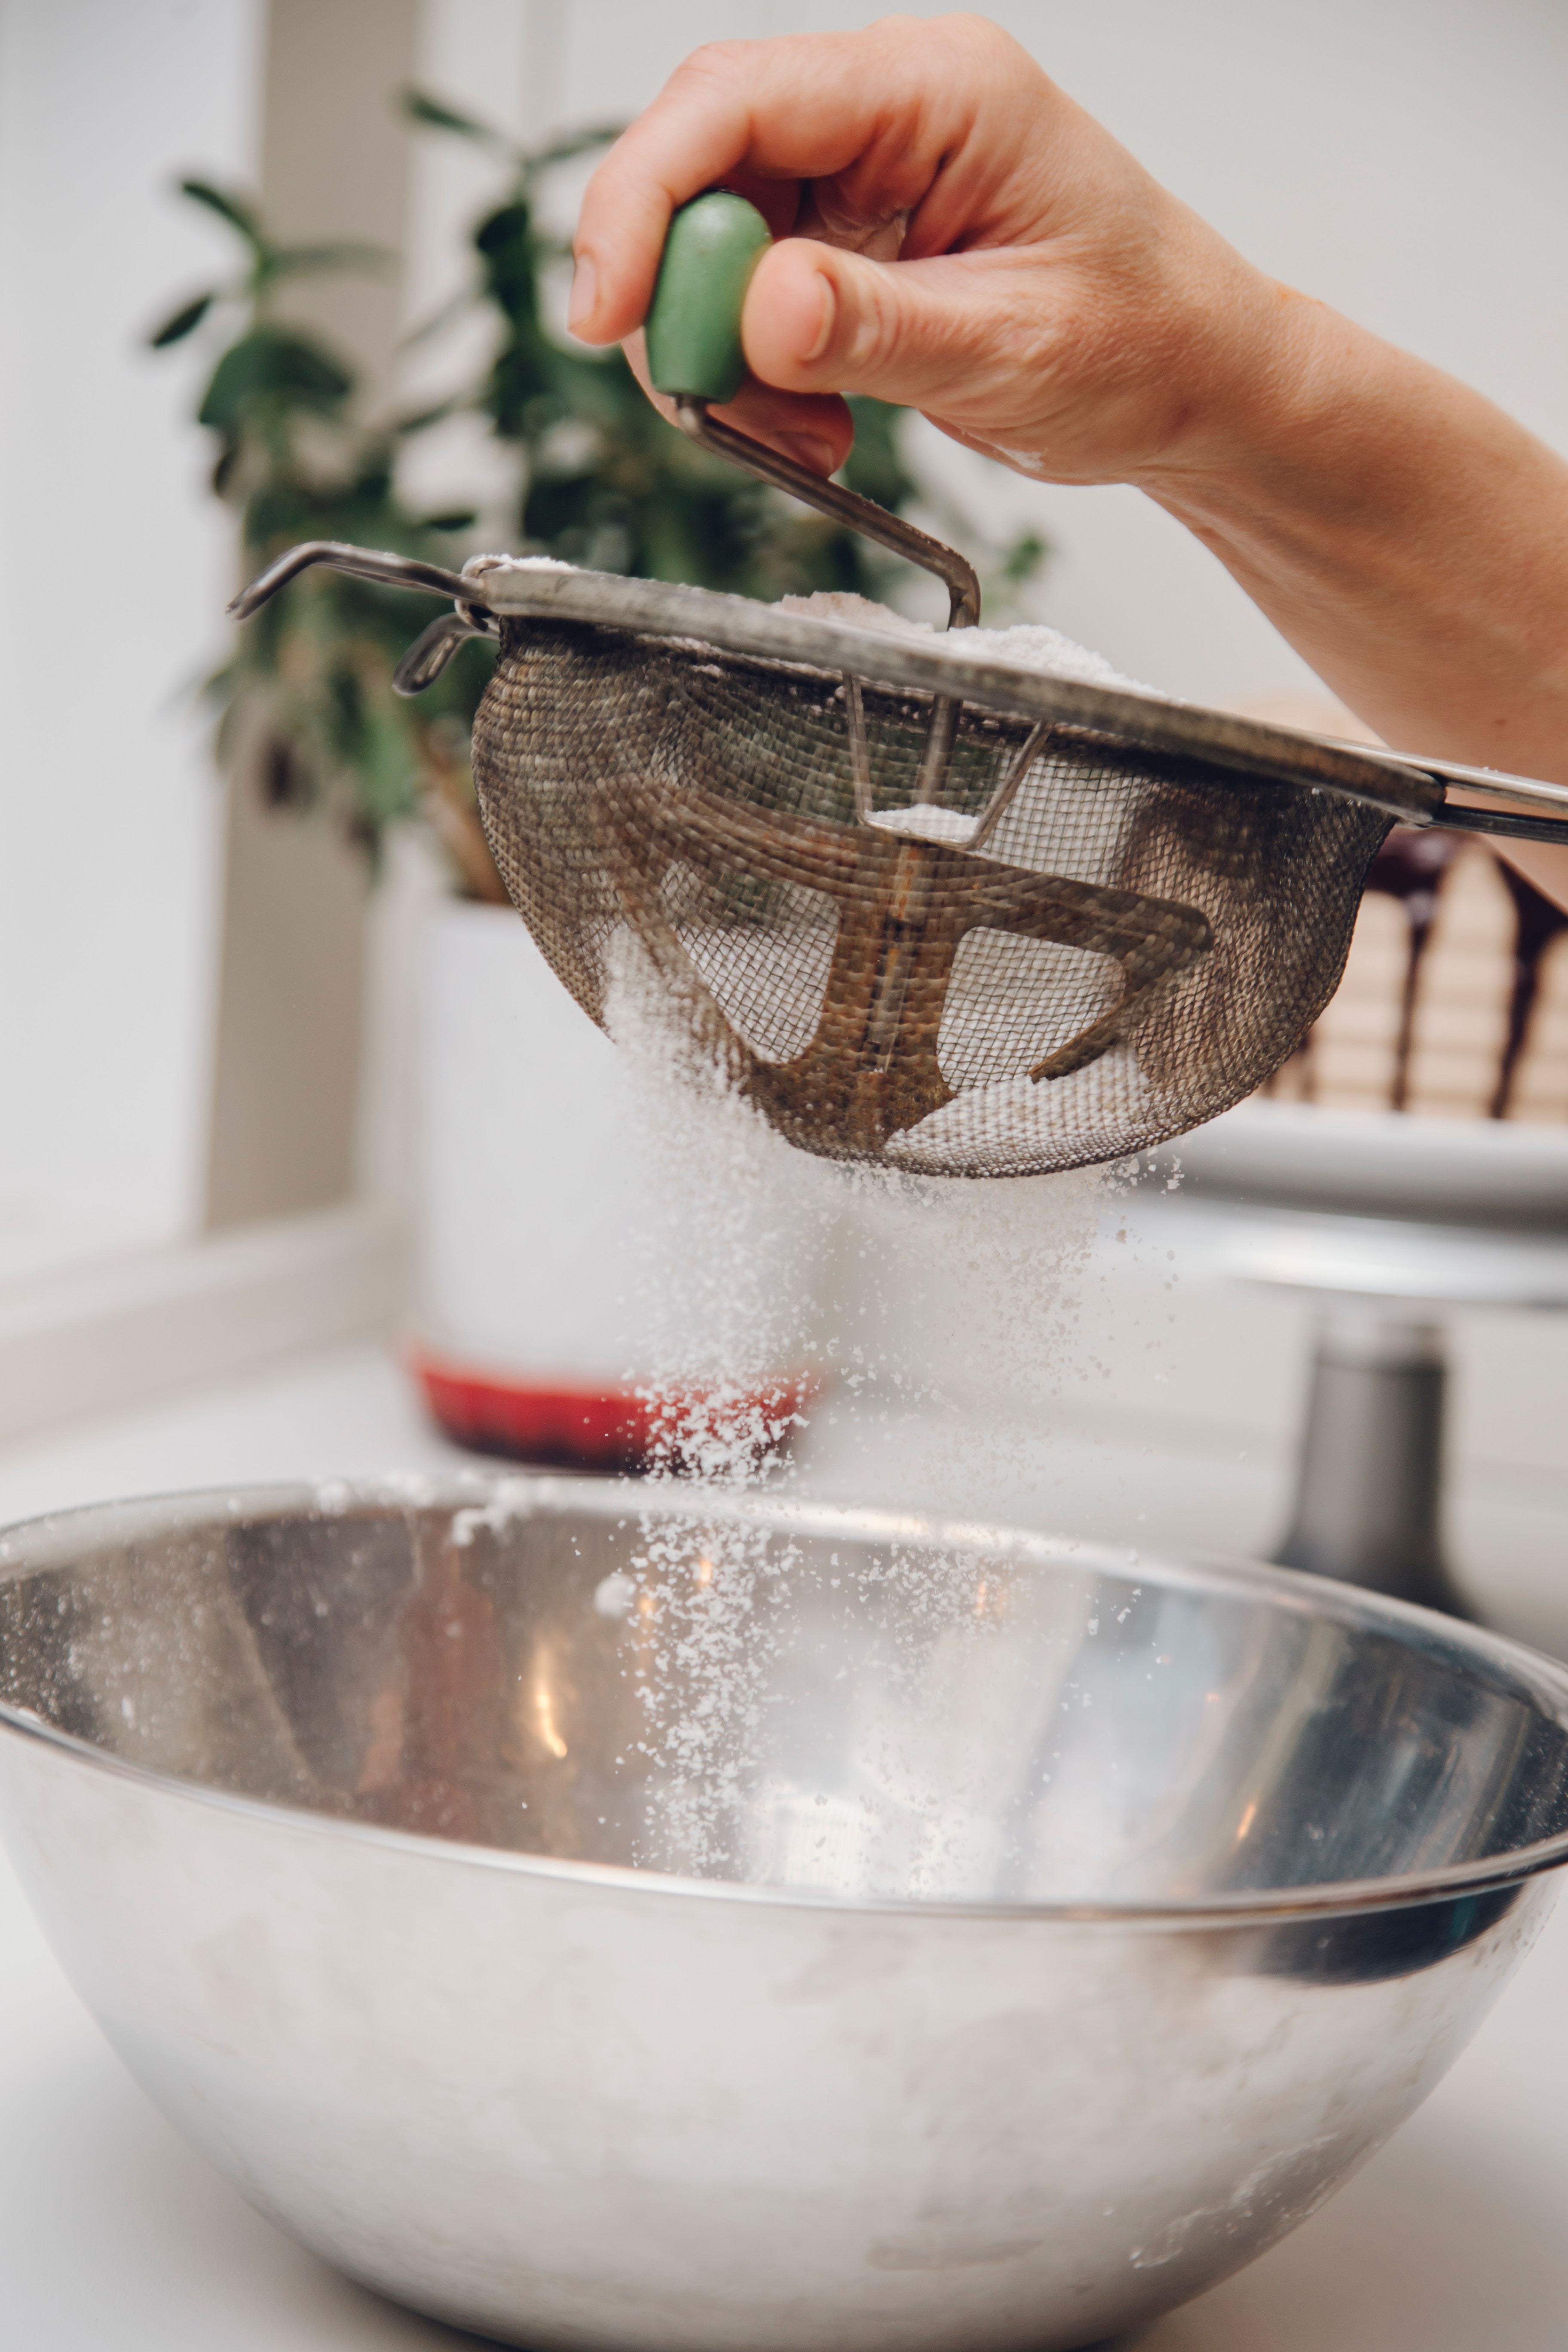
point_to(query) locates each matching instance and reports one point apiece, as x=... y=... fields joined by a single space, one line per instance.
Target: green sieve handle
x=694 y=324
x=694 y=358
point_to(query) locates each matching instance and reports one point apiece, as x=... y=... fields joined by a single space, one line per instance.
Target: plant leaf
x=576 y=142
x=183 y=322
x=419 y=106
x=507 y=229
x=421 y=419
x=453 y=308
x=277 y=361
x=296 y=260
x=236 y=210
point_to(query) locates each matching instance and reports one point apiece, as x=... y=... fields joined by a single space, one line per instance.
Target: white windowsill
x=123 y=1332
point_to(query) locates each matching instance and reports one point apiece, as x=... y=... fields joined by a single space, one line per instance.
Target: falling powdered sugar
x=808 y=1318
x=805 y=1314
x=728 y=1257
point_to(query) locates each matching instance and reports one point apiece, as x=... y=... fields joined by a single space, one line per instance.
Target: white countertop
x=112 y=2234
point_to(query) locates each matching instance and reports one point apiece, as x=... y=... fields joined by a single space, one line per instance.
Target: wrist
x=1267 y=378
x=1407 y=538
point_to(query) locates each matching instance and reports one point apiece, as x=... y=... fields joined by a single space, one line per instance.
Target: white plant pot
x=552 y=1260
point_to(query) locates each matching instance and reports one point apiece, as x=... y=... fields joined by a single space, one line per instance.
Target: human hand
x=954 y=235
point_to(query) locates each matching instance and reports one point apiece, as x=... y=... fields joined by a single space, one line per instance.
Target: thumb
x=819 y=319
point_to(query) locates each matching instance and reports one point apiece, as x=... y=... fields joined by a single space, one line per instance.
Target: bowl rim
x=496 y=1500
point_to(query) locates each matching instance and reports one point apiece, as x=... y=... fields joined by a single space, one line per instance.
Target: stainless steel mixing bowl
x=1072 y=1926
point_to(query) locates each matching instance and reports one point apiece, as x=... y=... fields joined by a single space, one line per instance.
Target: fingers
x=889 y=111
x=700 y=130
x=924 y=334
x=816 y=430
x=952 y=235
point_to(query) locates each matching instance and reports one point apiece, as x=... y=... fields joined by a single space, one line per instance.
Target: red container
x=494 y=1412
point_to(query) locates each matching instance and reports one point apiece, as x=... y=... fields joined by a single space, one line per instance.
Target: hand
x=955 y=235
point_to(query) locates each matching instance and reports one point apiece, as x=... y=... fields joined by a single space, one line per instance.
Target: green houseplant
x=604 y=481
x=308 y=682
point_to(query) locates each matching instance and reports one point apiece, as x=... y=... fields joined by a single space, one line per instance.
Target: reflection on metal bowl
x=1071 y=1926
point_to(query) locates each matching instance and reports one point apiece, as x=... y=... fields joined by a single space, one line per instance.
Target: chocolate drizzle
x=1410 y=867
x=1538 y=921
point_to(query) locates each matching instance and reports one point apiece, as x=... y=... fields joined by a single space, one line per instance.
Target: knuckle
x=966 y=28
x=714 y=61
x=878 y=323
x=990 y=48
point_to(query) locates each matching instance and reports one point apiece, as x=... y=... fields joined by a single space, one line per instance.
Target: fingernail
x=585 y=293
x=808 y=449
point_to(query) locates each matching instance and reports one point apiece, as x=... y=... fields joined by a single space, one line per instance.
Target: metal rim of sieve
x=1409 y=787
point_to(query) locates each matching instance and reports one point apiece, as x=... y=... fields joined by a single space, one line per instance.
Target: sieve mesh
x=1139 y=944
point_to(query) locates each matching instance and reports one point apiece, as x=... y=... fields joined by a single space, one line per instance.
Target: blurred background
x=216 y=963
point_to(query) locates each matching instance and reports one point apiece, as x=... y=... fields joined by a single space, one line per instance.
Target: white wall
x=1403 y=159
x=117 y=566
x=482 y=57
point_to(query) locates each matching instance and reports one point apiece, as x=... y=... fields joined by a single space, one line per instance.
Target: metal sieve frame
x=1409 y=787
x=1253 y=890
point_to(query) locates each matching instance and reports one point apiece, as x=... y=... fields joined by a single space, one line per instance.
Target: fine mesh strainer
x=925 y=909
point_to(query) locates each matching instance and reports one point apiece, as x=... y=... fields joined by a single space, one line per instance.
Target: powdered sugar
x=854 y=611
x=521 y=564
x=897 y=1295
x=1031 y=644
x=926 y=822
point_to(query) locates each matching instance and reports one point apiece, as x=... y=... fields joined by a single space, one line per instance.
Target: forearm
x=1408 y=538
